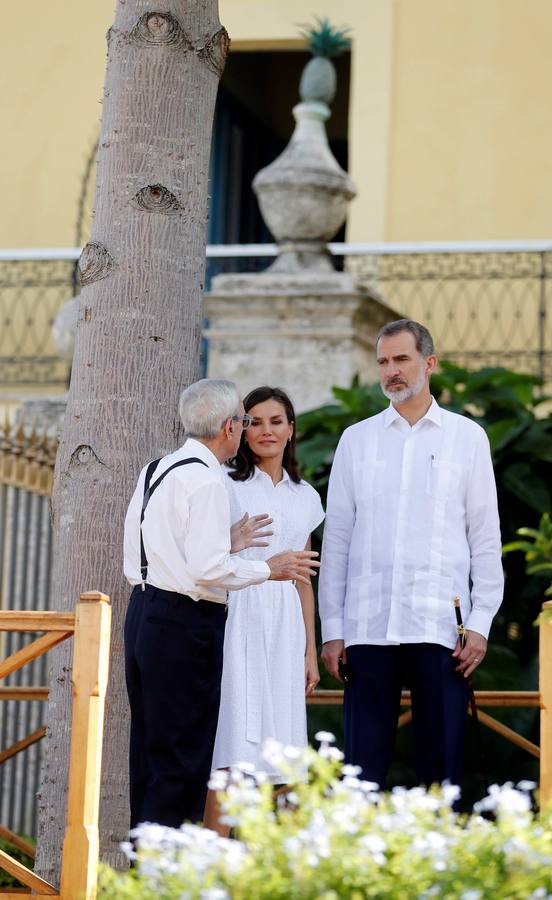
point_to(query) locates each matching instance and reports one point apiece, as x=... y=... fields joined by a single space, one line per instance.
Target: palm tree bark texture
x=137 y=346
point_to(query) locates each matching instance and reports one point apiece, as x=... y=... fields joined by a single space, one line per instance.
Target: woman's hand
x=248 y=532
x=312 y=675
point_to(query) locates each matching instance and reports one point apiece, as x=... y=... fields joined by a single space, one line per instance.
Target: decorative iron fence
x=490 y=308
x=33 y=287
x=26 y=470
x=486 y=303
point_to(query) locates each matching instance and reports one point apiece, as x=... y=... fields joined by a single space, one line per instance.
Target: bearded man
x=411 y=523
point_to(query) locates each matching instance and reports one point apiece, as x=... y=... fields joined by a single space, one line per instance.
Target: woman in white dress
x=270 y=660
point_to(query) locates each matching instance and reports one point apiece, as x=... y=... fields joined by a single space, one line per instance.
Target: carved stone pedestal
x=302 y=332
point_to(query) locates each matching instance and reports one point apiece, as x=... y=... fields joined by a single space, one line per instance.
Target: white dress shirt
x=186 y=531
x=411 y=522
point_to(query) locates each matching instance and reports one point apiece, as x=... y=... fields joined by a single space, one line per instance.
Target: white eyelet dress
x=263 y=678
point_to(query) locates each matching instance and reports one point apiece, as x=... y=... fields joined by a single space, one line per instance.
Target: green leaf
x=503 y=432
x=522 y=481
x=529 y=532
x=316 y=451
x=540 y=568
x=537 y=441
x=523 y=546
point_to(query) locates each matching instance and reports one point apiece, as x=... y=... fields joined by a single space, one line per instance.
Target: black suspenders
x=148 y=491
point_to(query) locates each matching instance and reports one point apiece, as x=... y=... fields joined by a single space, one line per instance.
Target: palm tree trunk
x=136 y=347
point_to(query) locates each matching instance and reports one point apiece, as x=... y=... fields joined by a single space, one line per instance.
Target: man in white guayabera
x=411 y=523
x=178 y=558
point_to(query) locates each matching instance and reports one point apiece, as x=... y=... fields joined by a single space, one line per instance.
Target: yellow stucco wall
x=450 y=123
x=53 y=64
x=471 y=126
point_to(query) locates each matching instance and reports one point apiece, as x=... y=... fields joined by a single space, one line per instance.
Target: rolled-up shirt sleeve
x=207 y=543
x=483 y=535
x=338 y=528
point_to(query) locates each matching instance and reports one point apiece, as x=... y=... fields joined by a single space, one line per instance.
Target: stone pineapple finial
x=318 y=79
x=303 y=195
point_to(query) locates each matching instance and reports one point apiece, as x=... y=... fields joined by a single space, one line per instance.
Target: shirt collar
x=433 y=414
x=258 y=473
x=192 y=447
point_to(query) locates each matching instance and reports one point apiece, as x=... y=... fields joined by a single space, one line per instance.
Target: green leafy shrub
x=334 y=837
x=537 y=549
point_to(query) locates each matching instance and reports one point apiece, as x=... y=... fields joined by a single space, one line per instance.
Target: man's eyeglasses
x=245 y=420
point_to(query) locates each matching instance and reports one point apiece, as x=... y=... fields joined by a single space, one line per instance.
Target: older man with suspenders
x=177 y=557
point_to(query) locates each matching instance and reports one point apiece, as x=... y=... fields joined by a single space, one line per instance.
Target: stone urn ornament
x=303 y=195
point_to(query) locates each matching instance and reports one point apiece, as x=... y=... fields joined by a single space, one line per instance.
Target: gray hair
x=205 y=406
x=424 y=341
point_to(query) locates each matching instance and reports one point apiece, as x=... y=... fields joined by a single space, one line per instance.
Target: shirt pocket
x=365 y=599
x=444 y=479
x=432 y=596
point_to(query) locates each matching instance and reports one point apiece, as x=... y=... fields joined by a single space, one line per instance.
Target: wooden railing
x=541 y=698
x=90 y=628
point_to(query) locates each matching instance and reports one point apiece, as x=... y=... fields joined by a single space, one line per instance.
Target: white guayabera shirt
x=411 y=522
x=186 y=531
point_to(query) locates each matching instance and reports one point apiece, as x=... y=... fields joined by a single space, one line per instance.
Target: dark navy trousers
x=173 y=662
x=376 y=676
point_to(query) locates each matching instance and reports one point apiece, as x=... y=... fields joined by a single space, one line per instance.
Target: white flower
x=325 y=737
x=375 y=845
x=350 y=770
x=429 y=843
x=292 y=753
x=526 y=785
x=128 y=849
x=273 y=752
x=231 y=821
x=246 y=767
x=218 y=780
x=505 y=800
x=330 y=753
x=369 y=787
x=450 y=793
x=292 y=845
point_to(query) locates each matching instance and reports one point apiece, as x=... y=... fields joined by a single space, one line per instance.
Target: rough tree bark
x=136 y=346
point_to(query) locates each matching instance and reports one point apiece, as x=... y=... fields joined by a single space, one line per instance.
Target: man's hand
x=248 y=532
x=293 y=565
x=472 y=655
x=333 y=652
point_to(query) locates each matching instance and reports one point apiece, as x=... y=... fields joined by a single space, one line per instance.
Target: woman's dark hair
x=245 y=460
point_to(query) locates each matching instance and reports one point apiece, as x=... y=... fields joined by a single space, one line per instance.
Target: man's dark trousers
x=376 y=676
x=173 y=662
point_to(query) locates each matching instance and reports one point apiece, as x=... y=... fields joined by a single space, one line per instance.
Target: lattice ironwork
x=482 y=308
x=485 y=308
x=31 y=293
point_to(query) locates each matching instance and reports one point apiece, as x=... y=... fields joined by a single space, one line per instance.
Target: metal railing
x=487 y=303
x=27 y=459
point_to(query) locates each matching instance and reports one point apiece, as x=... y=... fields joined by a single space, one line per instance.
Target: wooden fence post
x=79 y=869
x=545 y=686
